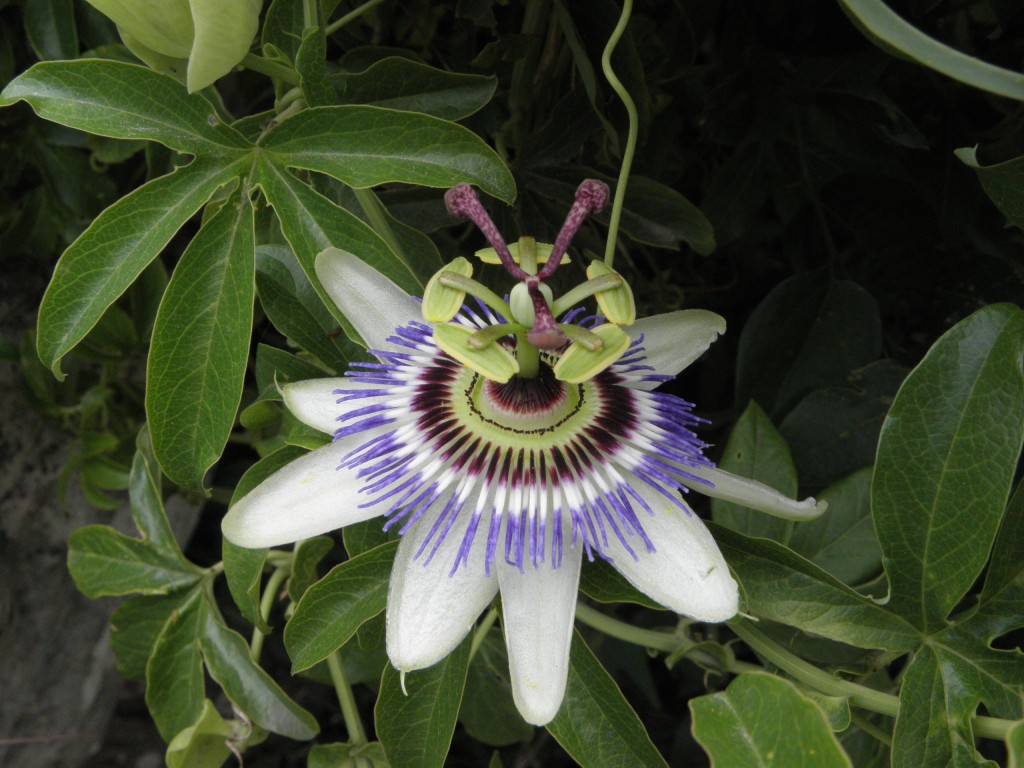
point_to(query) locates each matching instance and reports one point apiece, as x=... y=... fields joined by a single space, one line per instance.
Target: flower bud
x=195 y=40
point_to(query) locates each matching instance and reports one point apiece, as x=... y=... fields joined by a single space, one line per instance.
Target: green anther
x=486 y=336
x=590 y=340
x=616 y=303
x=494 y=361
x=442 y=302
x=578 y=364
x=522 y=305
x=490 y=256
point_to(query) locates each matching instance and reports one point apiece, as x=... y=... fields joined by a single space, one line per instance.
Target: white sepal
x=372 y=303
x=675 y=339
x=305 y=498
x=687 y=572
x=539 y=607
x=753 y=495
x=429 y=609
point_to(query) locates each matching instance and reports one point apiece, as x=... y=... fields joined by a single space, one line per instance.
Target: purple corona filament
x=526 y=467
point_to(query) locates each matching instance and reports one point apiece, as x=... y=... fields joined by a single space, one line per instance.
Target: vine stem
x=266 y=603
x=270 y=68
x=824 y=682
x=349 y=710
x=859 y=695
x=334 y=26
x=481 y=632
x=631 y=136
x=651 y=638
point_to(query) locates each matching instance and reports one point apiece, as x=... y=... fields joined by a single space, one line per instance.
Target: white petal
x=308 y=497
x=686 y=573
x=429 y=611
x=754 y=495
x=372 y=303
x=675 y=339
x=315 y=404
x=539 y=606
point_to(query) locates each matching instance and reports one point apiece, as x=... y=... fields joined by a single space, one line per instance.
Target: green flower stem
x=270 y=68
x=859 y=695
x=627 y=156
x=878 y=734
x=378 y=216
x=584 y=290
x=356 y=732
x=266 y=603
x=651 y=638
x=477 y=290
x=334 y=26
x=807 y=673
x=481 y=631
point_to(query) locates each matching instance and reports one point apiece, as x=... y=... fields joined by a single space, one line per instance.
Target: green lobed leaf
x=50 y=27
x=926 y=733
x=843 y=540
x=400 y=83
x=596 y=725
x=250 y=689
x=809 y=332
x=488 y=712
x=278 y=366
x=1001 y=603
x=333 y=609
x=105 y=563
x=308 y=554
x=201 y=345
x=601 y=582
x=756 y=450
x=936 y=503
x=347 y=756
x=123 y=101
x=147 y=504
x=778 y=584
x=1002 y=182
x=834 y=431
x=243 y=571
x=204 y=744
x=100 y=265
x=886 y=29
x=366 y=146
x=764 y=720
x=364 y=536
x=135 y=627
x=311 y=65
x=174 y=674
x=660 y=216
x=416 y=729
x=294 y=308
x=310 y=222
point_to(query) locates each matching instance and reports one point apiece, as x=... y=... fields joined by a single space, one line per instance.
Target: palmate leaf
x=416 y=729
x=333 y=609
x=366 y=146
x=946 y=457
x=99 y=266
x=764 y=720
x=596 y=725
x=201 y=344
x=193 y=635
x=124 y=101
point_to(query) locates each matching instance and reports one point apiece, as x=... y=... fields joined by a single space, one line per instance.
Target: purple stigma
x=591 y=197
x=463 y=202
